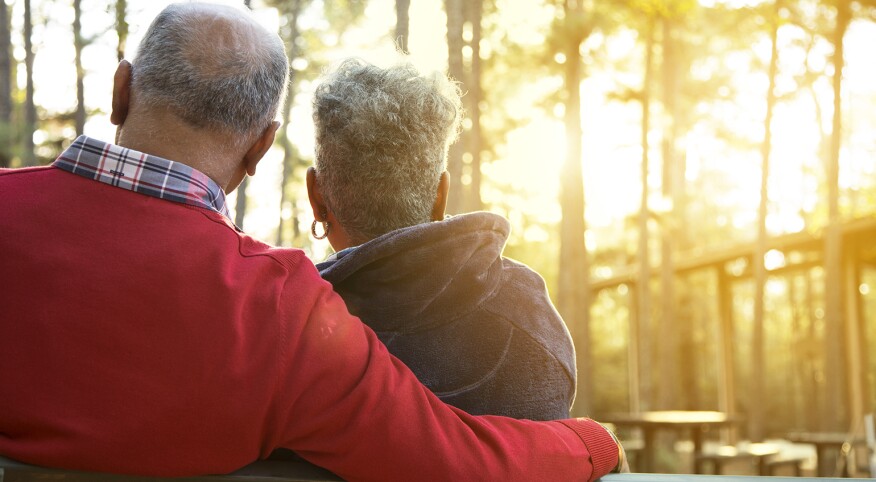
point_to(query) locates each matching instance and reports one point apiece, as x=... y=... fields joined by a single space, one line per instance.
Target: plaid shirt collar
x=142 y=173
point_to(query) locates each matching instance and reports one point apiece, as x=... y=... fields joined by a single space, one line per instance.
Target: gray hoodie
x=477 y=329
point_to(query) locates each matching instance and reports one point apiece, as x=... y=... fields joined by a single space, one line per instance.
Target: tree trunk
x=573 y=297
x=288 y=150
x=28 y=154
x=833 y=333
x=78 y=45
x=475 y=95
x=122 y=27
x=240 y=205
x=756 y=395
x=640 y=351
x=288 y=168
x=5 y=87
x=402 y=25
x=456 y=68
x=667 y=342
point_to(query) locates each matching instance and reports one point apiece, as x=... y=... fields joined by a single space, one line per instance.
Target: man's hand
x=622 y=466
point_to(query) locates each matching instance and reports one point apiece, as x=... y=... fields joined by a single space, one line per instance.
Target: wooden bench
x=262 y=471
x=761 y=453
x=288 y=471
x=774 y=463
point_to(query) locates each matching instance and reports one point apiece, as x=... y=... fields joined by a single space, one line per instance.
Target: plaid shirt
x=138 y=172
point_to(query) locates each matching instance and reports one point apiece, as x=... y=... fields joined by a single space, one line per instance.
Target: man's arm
x=351 y=407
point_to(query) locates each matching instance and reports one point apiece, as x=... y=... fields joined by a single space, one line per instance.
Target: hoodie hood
x=418 y=277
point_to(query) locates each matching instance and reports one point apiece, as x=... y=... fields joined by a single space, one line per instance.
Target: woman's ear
x=441 y=197
x=317 y=204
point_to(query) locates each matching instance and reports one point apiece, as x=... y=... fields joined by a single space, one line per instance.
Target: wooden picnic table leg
x=647 y=450
x=697 y=436
x=819 y=460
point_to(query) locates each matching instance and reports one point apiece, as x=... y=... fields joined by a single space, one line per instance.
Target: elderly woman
x=478 y=329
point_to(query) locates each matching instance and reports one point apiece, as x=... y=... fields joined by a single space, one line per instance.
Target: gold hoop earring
x=325 y=229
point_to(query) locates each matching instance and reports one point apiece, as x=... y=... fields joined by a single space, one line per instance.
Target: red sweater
x=144 y=336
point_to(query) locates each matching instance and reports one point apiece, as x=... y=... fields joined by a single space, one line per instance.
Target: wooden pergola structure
x=801 y=252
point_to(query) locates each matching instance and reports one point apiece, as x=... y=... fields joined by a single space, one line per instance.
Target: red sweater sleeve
x=351 y=407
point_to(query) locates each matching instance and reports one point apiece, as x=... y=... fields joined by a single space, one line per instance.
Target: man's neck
x=171 y=139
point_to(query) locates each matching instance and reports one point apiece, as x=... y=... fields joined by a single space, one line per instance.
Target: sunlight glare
x=535 y=234
x=773 y=259
x=524 y=17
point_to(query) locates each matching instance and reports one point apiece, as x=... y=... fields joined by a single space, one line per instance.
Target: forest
x=694 y=179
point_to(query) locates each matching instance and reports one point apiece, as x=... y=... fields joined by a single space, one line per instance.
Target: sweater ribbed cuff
x=603 y=450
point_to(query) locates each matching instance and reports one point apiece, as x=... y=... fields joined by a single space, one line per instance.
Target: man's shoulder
x=9 y=173
x=290 y=258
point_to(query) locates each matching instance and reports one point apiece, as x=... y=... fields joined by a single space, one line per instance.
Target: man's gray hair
x=381 y=144
x=232 y=81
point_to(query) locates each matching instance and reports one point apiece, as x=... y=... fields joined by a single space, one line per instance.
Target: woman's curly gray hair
x=381 y=144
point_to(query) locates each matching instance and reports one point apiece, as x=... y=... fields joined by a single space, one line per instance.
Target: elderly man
x=141 y=333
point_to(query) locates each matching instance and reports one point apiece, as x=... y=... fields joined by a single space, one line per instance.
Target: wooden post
x=797 y=367
x=835 y=377
x=641 y=326
x=854 y=335
x=814 y=395
x=726 y=368
x=637 y=319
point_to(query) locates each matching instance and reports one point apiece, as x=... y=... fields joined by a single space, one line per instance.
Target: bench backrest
x=296 y=471
x=262 y=471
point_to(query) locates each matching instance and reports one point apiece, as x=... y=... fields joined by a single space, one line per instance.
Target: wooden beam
x=698 y=259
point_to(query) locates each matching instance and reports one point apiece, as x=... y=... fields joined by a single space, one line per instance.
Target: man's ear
x=121 y=93
x=317 y=204
x=441 y=197
x=260 y=147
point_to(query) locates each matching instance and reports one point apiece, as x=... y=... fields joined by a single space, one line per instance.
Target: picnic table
x=692 y=422
x=824 y=443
